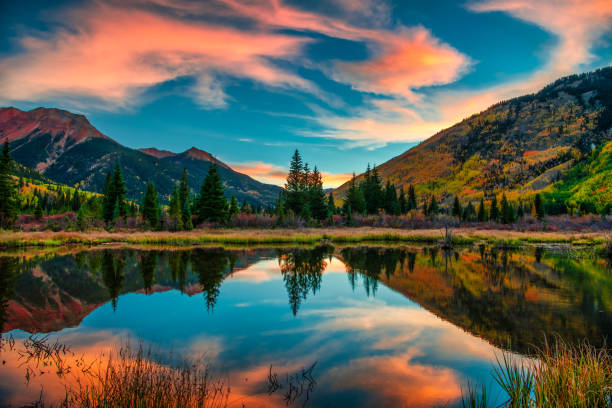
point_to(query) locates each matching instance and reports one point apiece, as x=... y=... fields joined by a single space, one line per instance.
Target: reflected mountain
x=48 y=293
x=510 y=298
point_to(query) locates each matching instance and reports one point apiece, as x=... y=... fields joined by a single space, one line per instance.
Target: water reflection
x=387 y=325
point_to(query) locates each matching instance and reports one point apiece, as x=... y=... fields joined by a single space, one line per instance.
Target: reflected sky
x=370 y=348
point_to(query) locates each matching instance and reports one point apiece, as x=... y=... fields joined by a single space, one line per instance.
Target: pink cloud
x=406 y=60
x=113 y=54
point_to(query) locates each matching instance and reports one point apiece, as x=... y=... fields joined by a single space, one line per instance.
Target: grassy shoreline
x=9 y=239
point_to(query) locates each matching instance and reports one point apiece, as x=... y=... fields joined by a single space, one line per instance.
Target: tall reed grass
x=562 y=375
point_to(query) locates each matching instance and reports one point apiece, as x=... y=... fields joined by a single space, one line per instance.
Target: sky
x=347 y=82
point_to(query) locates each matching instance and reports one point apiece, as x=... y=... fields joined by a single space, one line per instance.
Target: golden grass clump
x=561 y=376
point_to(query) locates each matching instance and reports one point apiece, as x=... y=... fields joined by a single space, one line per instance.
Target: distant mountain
x=66 y=148
x=521 y=146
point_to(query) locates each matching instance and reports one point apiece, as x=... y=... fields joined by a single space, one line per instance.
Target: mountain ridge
x=66 y=148
x=510 y=146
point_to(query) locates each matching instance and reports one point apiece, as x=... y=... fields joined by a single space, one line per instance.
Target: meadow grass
x=309 y=236
x=561 y=375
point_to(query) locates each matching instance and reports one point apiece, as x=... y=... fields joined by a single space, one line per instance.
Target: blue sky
x=348 y=82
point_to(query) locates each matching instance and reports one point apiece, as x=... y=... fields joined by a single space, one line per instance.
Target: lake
x=319 y=327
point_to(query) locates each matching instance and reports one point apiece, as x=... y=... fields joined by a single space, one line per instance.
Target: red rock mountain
x=53 y=131
x=67 y=149
x=160 y=154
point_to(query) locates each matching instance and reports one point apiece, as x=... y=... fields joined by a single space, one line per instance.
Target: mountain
x=66 y=148
x=520 y=146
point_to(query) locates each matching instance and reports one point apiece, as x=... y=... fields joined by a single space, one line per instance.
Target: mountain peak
x=160 y=154
x=198 y=154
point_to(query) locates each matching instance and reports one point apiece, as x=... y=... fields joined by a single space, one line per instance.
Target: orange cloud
x=273 y=174
x=113 y=54
x=411 y=59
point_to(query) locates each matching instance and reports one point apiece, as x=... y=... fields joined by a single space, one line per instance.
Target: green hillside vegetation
x=547 y=142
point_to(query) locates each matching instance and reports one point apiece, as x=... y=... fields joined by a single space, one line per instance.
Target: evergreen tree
x=187 y=223
x=391 y=203
x=432 y=208
x=507 y=212
x=539 y=207
x=233 y=208
x=482 y=213
x=456 y=210
x=80 y=219
x=520 y=213
x=8 y=190
x=372 y=191
x=412 y=201
x=402 y=203
x=469 y=212
x=109 y=198
x=211 y=204
x=316 y=196
x=119 y=190
x=150 y=207
x=331 y=205
x=185 y=202
x=294 y=187
x=280 y=208
x=354 y=198
x=175 y=211
x=494 y=210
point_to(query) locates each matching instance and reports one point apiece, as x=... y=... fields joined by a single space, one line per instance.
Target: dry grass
x=293 y=236
x=562 y=375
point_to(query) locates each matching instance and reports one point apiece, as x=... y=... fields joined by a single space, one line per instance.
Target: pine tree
x=175 y=211
x=80 y=219
x=494 y=210
x=456 y=211
x=433 y=209
x=150 y=207
x=539 y=207
x=233 y=208
x=316 y=196
x=372 y=191
x=507 y=212
x=354 y=198
x=469 y=212
x=211 y=204
x=119 y=190
x=331 y=205
x=8 y=190
x=185 y=202
x=412 y=201
x=402 y=203
x=391 y=204
x=482 y=213
x=109 y=198
x=294 y=187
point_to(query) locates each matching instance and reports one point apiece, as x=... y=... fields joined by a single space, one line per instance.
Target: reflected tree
x=9 y=270
x=179 y=263
x=211 y=266
x=147 y=263
x=112 y=266
x=302 y=271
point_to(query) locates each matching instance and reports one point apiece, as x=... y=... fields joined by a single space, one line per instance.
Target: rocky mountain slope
x=67 y=149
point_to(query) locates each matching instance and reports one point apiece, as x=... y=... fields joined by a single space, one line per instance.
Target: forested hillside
x=550 y=142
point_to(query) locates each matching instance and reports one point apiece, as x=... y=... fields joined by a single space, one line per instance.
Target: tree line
x=302 y=198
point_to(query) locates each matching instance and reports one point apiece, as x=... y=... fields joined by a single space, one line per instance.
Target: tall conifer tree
x=8 y=190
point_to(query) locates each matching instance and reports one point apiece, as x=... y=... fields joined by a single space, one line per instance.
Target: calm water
x=386 y=326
